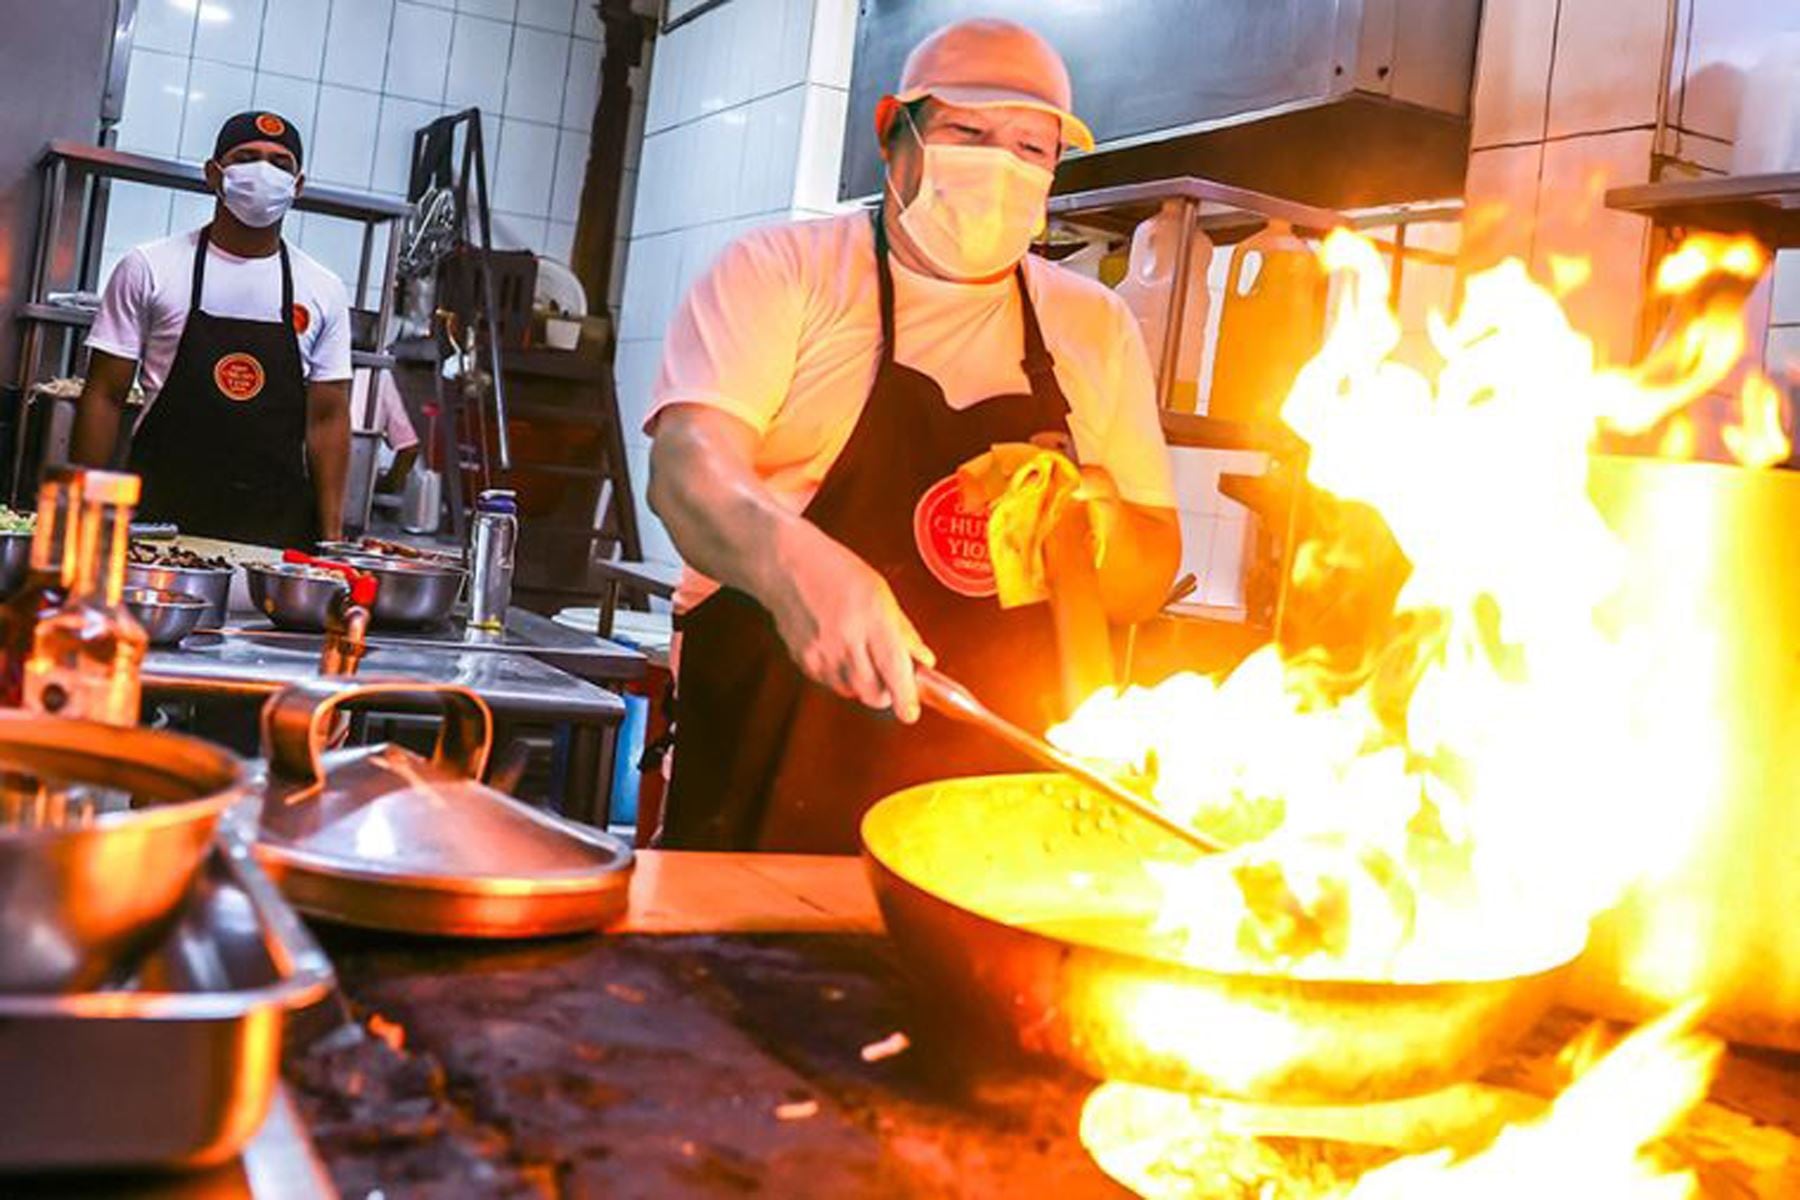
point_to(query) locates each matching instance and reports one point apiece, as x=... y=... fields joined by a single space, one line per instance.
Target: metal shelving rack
x=1227 y=215
x=1765 y=206
x=67 y=164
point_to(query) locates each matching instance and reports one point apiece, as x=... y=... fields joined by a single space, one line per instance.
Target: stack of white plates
x=648 y=631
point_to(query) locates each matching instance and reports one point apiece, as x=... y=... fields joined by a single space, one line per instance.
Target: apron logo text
x=952 y=540
x=239 y=377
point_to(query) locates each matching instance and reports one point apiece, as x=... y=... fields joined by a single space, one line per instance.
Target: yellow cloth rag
x=1024 y=490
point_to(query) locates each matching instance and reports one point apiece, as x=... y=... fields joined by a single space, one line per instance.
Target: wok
x=1005 y=896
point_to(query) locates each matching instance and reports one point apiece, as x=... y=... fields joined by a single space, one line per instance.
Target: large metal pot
x=77 y=904
x=984 y=884
x=1713 y=575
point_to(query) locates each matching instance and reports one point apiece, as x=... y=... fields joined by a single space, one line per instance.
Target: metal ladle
x=944 y=695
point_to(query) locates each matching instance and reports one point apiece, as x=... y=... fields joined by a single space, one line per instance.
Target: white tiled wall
x=357 y=77
x=743 y=125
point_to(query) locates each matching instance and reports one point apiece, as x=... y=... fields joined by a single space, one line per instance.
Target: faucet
x=347 y=627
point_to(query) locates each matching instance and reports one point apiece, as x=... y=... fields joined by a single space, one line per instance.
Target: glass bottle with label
x=46 y=581
x=87 y=653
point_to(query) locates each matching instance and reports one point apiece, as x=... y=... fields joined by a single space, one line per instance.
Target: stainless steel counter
x=582 y=655
x=514 y=685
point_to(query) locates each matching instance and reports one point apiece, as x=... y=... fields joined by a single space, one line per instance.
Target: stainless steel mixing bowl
x=411 y=594
x=211 y=584
x=293 y=596
x=80 y=903
x=166 y=616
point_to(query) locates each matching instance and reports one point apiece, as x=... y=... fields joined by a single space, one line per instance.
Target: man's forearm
x=96 y=430
x=328 y=457
x=100 y=408
x=722 y=518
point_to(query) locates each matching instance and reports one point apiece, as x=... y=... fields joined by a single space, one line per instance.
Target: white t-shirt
x=145 y=306
x=387 y=415
x=784 y=333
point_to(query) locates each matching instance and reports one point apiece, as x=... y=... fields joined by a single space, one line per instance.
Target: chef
x=242 y=345
x=821 y=384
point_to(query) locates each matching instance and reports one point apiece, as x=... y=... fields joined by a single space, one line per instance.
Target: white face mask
x=258 y=193
x=977 y=209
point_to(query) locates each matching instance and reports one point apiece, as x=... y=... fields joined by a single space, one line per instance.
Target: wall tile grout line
x=710 y=113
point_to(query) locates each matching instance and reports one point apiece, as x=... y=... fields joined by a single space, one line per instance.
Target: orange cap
x=988 y=63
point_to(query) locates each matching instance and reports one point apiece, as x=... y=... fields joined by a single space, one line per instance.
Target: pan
x=997 y=890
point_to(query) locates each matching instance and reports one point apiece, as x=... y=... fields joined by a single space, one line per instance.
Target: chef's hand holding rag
x=1028 y=492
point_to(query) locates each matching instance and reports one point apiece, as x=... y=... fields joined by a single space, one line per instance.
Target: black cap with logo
x=257 y=126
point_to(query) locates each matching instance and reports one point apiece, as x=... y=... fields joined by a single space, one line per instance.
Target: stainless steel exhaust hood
x=1338 y=103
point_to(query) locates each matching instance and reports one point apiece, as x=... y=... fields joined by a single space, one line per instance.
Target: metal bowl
x=293 y=597
x=411 y=594
x=79 y=904
x=15 y=560
x=211 y=584
x=166 y=616
x=1006 y=935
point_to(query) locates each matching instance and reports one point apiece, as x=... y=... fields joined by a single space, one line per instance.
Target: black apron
x=767 y=760
x=222 y=451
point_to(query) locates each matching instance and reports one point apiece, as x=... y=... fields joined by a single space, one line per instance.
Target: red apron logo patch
x=302 y=319
x=238 y=377
x=271 y=124
x=952 y=540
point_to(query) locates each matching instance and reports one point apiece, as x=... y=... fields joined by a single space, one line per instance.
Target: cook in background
x=820 y=386
x=242 y=344
x=389 y=418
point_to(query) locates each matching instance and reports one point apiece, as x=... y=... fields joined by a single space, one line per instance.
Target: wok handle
x=298 y=720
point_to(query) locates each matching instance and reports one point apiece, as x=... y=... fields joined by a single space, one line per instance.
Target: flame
x=1470 y=1142
x=1758 y=439
x=1569 y=272
x=1592 y=1142
x=1464 y=745
x=1679 y=438
x=1439 y=794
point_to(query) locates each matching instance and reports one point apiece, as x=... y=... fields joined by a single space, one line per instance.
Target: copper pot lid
x=383 y=838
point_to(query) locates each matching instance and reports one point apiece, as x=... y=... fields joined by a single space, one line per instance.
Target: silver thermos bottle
x=493 y=538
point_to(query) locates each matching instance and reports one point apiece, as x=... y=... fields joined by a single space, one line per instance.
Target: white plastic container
x=1149 y=284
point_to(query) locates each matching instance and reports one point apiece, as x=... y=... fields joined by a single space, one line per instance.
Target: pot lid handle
x=297 y=723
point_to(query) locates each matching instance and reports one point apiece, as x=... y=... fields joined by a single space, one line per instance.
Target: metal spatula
x=944 y=695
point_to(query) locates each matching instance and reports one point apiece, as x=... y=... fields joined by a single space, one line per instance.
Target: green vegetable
x=16 y=522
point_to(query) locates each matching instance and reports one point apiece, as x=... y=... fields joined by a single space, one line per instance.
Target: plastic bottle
x=1150 y=282
x=1271 y=324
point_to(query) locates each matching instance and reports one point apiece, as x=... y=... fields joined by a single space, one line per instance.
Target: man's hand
x=842 y=624
x=834 y=612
